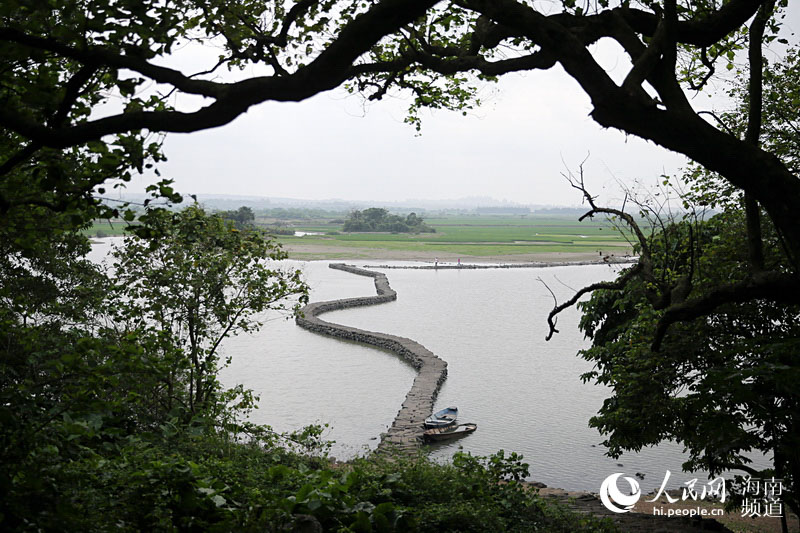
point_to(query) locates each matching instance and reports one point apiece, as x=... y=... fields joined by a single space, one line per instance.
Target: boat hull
x=451 y=432
x=445 y=417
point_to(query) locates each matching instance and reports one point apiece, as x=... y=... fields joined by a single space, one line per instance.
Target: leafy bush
x=207 y=482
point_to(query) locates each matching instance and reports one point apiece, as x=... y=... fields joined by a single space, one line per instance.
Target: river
x=489 y=325
x=525 y=394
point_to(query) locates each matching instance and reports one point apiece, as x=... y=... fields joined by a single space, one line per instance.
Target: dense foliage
x=378 y=219
x=196 y=280
x=725 y=386
x=96 y=364
x=692 y=349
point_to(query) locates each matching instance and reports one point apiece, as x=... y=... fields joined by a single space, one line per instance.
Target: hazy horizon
x=530 y=129
x=463 y=203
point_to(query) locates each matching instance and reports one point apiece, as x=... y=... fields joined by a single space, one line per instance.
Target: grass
x=477 y=236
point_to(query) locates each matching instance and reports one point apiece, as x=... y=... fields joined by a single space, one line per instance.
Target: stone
x=405 y=434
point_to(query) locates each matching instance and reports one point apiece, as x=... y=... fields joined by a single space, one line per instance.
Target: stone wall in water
x=405 y=434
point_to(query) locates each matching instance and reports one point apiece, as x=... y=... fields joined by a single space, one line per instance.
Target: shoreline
x=484 y=266
x=314 y=252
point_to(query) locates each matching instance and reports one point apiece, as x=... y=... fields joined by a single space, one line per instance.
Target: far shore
x=312 y=252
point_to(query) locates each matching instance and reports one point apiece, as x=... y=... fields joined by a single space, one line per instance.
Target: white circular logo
x=610 y=494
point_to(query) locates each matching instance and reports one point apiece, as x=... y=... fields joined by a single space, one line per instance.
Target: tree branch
x=538 y=60
x=774 y=286
x=646 y=62
x=756 y=94
x=326 y=72
x=72 y=91
x=616 y=285
x=18 y=158
x=96 y=57
x=701 y=30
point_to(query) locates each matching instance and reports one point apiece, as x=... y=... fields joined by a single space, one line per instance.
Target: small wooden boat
x=449 y=432
x=443 y=418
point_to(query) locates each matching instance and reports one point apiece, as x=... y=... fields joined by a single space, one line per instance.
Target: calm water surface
x=523 y=392
x=489 y=325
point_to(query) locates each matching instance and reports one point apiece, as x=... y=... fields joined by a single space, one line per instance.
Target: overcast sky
x=512 y=148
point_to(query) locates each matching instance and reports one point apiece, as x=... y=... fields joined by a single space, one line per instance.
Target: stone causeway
x=405 y=434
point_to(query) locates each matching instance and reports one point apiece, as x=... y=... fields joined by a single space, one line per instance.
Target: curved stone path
x=405 y=434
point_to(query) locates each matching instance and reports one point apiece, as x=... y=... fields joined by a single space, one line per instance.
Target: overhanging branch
x=774 y=286
x=326 y=72
x=616 y=285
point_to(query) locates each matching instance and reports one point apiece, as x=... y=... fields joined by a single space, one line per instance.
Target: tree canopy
x=724 y=386
x=98 y=365
x=242 y=217
x=379 y=219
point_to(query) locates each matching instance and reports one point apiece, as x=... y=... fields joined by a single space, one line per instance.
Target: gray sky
x=512 y=148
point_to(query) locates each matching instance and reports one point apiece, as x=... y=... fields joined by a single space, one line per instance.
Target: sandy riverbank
x=310 y=252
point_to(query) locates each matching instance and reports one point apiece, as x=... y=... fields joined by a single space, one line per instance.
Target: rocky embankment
x=543 y=264
x=405 y=434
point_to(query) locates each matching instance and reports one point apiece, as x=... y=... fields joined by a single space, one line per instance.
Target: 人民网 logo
x=616 y=501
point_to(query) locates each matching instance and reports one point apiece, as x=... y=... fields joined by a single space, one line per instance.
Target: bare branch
x=616 y=285
x=578 y=183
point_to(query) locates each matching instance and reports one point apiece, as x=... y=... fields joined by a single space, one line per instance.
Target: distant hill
x=231 y=201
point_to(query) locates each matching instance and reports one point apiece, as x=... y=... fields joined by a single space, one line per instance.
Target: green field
x=475 y=236
x=105 y=228
x=478 y=236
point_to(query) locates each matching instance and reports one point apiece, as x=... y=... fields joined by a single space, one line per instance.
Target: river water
x=489 y=325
